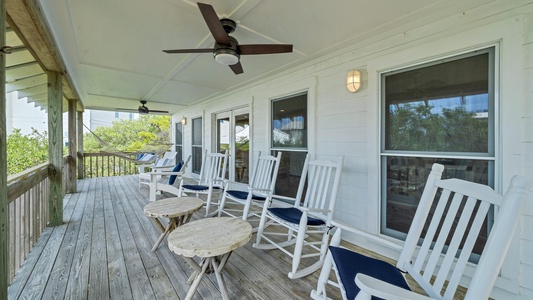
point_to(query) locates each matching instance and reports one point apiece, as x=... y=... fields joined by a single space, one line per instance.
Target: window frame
x=492 y=155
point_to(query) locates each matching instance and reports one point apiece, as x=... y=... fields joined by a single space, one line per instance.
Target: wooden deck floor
x=102 y=251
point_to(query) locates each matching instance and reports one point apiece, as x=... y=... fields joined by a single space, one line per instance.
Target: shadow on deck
x=102 y=251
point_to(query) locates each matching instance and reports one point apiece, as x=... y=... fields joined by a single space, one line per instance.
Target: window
x=178 y=142
x=196 y=145
x=440 y=112
x=289 y=135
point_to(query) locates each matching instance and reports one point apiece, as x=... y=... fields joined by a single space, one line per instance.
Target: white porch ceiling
x=113 y=49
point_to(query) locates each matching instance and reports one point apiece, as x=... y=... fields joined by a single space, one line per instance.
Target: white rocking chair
x=307 y=223
x=211 y=179
x=440 y=259
x=260 y=189
x=171 y=185
x=164 y=163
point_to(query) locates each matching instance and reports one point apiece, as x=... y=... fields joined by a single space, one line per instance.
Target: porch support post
x=80 y=145
x=3 y=162
x=55 y=147
x=71 y=182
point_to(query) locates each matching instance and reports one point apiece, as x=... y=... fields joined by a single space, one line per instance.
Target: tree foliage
x=416 y=128
x=149 y=133
x=26 y=151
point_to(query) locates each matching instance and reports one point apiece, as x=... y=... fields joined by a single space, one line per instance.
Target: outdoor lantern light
x=353 y=81
x=183 y=121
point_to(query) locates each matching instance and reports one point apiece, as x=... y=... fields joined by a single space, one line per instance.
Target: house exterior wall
x=526 y=235
x=342 y=123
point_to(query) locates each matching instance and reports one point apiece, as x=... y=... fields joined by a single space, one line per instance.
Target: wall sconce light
x=353 y=81
x=183 y=121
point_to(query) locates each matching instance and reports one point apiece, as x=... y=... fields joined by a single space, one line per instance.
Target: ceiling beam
x=26 y=18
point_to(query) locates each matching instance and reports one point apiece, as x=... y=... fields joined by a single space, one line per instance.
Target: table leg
x=218 y=273
x=171 y=224
x=196 y=282
x=158 y=224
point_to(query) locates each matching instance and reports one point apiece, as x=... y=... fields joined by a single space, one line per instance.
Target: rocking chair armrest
x=265 y=191
x=284 y=198
x=374 y=238
x=229 y=183
x=163 y=168
x=166 y=173
x=318 y=210
x=145 y=166
x=385 y=290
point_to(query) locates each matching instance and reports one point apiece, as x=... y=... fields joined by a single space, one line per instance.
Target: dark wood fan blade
x=189 y=51
x=237 y=68
x=158 y=111
x=126 y=109
x=216 y=28
x=264 y=49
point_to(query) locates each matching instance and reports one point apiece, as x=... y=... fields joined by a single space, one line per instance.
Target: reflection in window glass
x=439 y=108
x=289 y=122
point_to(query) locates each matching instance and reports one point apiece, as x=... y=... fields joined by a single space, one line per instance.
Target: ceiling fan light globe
x=227 y=58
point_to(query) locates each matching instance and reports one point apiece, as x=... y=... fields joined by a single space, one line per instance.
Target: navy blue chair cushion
x=293 y=215
x=195 y=187
x=243 y=195
x=349 y=263
x=172 y=178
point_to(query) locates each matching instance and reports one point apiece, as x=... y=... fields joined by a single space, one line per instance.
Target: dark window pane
x=179 y=134
x=196 y=159
x=439 y=108
x=290 y=172
x=196 y=145
x=289 y=122
x=197 y=131
x=405 y=181
x=179 y=153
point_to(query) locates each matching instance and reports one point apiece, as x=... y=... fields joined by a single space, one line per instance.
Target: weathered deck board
x=119 y=285
x=103 y=251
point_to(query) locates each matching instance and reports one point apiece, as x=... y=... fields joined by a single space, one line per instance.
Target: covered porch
x=102 y=251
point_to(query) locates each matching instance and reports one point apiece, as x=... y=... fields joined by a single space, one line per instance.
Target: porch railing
x=105 y=164
x=28 y=206
x=28 y=211
x=27 y=196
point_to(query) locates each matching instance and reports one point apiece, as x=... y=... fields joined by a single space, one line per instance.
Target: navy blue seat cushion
x=350 y=263
x=293 y=215
x=172 y=178
x=197 y=187
x=243 y=195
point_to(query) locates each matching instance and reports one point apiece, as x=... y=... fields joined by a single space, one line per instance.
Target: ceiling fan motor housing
x=227 y=54
x=229 y=25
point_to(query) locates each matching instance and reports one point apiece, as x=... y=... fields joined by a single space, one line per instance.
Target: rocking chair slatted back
x=321 y=187
x=461 y=210
x=213 y=169
x=262 y=175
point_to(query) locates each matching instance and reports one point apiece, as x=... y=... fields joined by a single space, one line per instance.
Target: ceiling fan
x=227 y=50
x=143 y=109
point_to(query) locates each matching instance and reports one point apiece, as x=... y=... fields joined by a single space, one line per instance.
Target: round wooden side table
x=178 y=210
